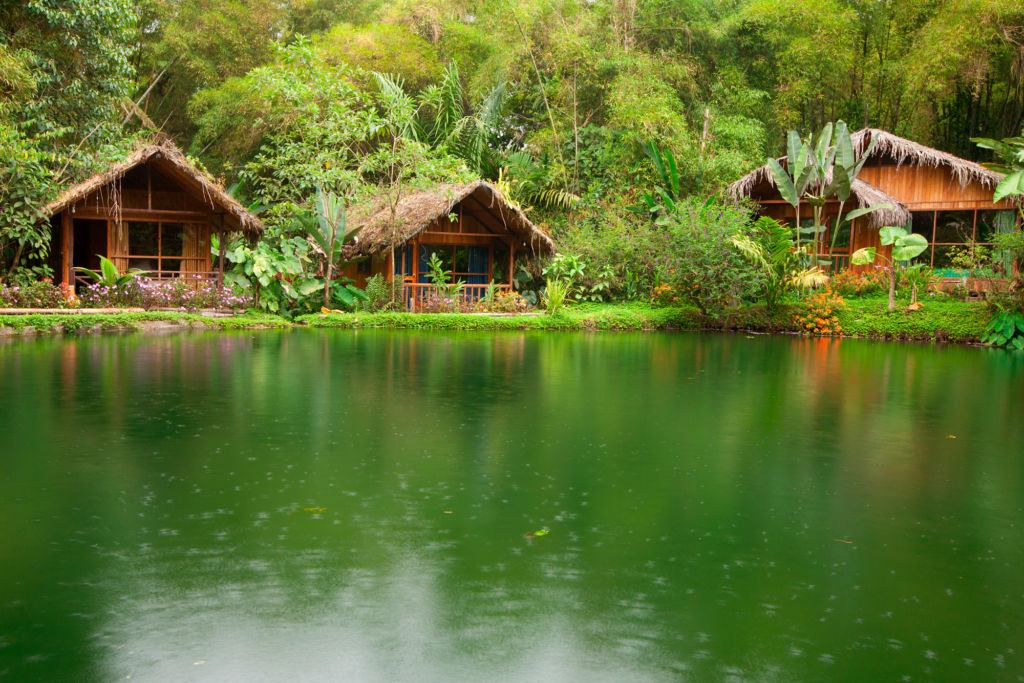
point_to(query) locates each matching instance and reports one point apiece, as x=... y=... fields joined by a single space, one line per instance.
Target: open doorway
x=90 y=240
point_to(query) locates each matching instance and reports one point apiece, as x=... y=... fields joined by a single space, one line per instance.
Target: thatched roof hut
x=174 y=164
x=154 y=210
x=419 y=210
x=946 y=199
x=889 y=150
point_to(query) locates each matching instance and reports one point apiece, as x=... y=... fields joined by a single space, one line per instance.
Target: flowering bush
x=505 y=301
x=433 y=302
x=42 y=294
x=819 y=318
x=848 y=283
x=178 y=293
x=702 y=262
x=665 y=295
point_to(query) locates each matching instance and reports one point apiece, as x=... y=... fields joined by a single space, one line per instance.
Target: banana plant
x=330 y=232
x=109 y=275
x=820 y=168
x=905 y=246
x=793 y=180
x=1011 y=154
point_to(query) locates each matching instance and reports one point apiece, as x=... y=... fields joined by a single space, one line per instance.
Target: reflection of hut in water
x=476 y=233
x=154 y=211
x=946 y=199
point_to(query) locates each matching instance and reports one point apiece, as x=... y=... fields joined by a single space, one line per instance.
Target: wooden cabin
x=938 y=195
x=154 y=211
x=475 y=231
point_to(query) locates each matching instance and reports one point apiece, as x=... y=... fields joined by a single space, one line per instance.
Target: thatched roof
x=900 y=150
x=170 y=159
x=903 y=151
x=418 y=210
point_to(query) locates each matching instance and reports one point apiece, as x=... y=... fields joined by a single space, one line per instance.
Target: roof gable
x=178 y=171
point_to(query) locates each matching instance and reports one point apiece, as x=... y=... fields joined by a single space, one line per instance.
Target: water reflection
x=353 y=506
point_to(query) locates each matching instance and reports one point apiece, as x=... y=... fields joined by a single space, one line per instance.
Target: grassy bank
x=939 y=319
x=942 y=320
x=57 y=323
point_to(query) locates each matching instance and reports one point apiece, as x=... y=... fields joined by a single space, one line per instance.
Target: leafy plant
x=109 y=275
x=819 y=168
x=918 y=277
x=771 y=248
x=383 y=294
x=701 y=259
x=905 y=247
x=661 y=202
x=1006 y=328
x=1011 y=163
x=970 y=256
x=442 y=279
x=556 y=295
x=272 y=268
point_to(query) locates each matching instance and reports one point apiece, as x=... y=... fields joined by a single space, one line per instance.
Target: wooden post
x=511 y=264
x=149 y=187
x=220 y=257
x=67 y=235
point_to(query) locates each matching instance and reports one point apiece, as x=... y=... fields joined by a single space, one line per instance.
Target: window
x=165 y=249
x=947 y=231
x=469 y=264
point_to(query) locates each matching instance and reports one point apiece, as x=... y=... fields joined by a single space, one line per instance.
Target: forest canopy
x=559 y=98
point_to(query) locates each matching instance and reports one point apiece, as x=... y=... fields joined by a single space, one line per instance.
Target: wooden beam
x=144 y=215
x=66 y=237
x=487 y=211
x=220 y=257
x=465 y=239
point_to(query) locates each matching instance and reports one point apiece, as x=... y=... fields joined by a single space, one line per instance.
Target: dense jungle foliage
x=560 y=102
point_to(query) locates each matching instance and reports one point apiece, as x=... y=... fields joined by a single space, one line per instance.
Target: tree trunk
x=892 y=286
x=327 y=287
x=14 y=262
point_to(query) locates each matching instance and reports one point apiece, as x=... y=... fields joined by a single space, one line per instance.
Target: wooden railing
x=418 y=292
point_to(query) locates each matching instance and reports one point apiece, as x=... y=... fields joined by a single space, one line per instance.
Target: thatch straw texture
x=418 y=210
x=212 y=193
x=903 y=151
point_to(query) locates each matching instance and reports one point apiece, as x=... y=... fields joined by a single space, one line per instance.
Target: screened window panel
x=954 y=227
x=923 y=223
x=172 y=239
x=143 y=238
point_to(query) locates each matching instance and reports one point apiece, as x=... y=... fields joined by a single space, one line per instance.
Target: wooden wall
x=923 y=188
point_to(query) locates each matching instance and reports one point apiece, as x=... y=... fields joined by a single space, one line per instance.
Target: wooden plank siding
x=923 y=188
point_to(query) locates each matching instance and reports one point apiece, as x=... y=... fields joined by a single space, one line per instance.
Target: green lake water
x=357 y=506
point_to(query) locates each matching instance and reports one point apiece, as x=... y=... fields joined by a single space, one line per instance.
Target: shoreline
x=939 y=320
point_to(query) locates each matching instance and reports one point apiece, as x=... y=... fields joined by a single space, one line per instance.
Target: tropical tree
x=330 y=233
x=820 y=168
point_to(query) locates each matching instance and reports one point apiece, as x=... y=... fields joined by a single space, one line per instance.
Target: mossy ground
x=941 y=319
x=52 y=323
